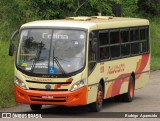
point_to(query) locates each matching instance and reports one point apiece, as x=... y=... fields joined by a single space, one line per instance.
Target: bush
x=129 y=8
x=149 y=7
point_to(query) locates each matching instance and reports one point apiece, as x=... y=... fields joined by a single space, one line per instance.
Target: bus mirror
x=11 y=49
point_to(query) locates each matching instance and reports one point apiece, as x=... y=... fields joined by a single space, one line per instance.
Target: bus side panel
x=142 y=77
x=92 y=94
x=111 y=91
x=124 y=87
x=115 y=88
x=118 y=72
x=116 y=75
x=142 y=81
x=93 y=85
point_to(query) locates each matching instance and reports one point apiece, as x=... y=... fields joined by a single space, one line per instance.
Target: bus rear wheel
x=35 y=107
x=128 y=97
x=96 y=106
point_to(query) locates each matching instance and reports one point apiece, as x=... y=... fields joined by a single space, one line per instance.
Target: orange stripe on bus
x=114 y=88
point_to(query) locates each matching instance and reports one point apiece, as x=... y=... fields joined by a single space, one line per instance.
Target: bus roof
x=97 y=22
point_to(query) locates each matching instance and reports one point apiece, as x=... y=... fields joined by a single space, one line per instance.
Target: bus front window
x=41 y=50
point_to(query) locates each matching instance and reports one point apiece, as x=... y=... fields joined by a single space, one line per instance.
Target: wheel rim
x=131 y=89
x=99 y=97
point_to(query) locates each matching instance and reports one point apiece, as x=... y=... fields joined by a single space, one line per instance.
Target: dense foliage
x=149 y=7
x=13 y=13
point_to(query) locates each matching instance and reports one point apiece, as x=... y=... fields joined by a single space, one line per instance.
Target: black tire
x=96 y=106
x=35 y=107
x=118 y=98
x=128 y=97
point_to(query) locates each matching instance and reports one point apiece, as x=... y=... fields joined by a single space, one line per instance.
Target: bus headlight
x=78 y=85
x=20 y=83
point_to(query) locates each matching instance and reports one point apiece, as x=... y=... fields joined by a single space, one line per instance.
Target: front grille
x=55 y=99
x=38 y=82
x=38 y=89
x=48 y=100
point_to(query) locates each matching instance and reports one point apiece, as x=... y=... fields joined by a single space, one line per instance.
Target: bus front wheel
x=96 y=106
x=35 y=107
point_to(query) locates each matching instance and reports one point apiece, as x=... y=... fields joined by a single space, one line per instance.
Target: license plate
x=47 y=97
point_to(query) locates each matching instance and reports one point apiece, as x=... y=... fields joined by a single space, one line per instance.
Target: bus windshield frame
x=66 y=48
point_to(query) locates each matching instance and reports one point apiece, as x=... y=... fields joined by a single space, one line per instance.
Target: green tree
x=149 y=7
x=129 y=7
x=14 y=13
x=52 y=9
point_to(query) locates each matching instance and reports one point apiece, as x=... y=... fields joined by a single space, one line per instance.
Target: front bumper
x=65 y=98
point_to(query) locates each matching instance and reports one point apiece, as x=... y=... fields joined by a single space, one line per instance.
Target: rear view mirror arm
x=13 y=35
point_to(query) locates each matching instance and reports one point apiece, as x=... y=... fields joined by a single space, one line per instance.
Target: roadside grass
x=6 y=76
x=155 y=43
x=7 y=64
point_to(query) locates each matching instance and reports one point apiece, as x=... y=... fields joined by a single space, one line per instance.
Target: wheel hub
x=131 y=89
x=99 y=97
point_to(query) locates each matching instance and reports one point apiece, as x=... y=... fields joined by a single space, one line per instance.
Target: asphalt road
x=146 y=99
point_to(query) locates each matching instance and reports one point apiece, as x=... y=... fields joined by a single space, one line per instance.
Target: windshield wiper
x=58 y=64
x=36 y=59
x=62 y=59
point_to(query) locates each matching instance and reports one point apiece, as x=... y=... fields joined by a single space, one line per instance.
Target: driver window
x=92 y=55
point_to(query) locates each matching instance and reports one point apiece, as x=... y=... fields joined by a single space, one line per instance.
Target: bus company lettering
x=54 y=36
x=116 y=69
x=41 y=80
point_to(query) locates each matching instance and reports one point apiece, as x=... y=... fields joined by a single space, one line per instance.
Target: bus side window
x=104 y=45
x=143 y=33
x=104 y=53
x=115 y=46
x=134 y=37
x=92 y=54
x=135 y=48
x=114 y=37
x=143 y=40
x=125 y=49
x=124 y=38
x=115 y=51
x=104 y=38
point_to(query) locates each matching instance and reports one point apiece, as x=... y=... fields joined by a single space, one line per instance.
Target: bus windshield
x=51 y=51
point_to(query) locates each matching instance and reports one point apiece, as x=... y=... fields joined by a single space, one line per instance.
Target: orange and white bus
x=80 y=61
